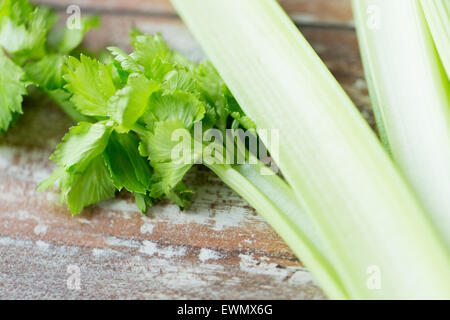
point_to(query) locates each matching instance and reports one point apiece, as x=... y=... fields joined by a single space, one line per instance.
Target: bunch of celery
x=32 y=52
x=367 y=218
x=135 y=104
x=343 y=207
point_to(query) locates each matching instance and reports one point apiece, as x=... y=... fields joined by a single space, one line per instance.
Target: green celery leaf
x=177 y=106
x=127 y=63
x=130 y=102
x=180 y=80
x=234 y=109
x=47 y=73
x=128 y=169
x=91 y=84
x=170 y=175
x=159 y=144
x=81 y=189
x=210 y=119
x=147 y=48
x=23 y=30
x=170 y=168
x=22 y=8
x=140 y=201
x=158 y=69
x=50 y=181
x=211 y=85
x=210 y=82
x=12 y=89
x=181 y=195
x=91 y=186
x=143 y=201
x=118 y=74
x=81 y=145
x=150 y=49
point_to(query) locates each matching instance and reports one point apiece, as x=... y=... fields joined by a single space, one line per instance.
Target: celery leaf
x=130 y=102
x=23 y=30
x=91 y=84
x=47 y=72
x=12 y=89
x=81 y=145
x=91 y=186
x=177 y=106
x=128 y=169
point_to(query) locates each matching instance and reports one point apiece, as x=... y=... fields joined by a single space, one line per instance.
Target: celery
x=411 y=94
x=365 y=214
x=437 y=13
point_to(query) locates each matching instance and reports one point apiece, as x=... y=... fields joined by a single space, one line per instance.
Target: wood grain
x=336 y=12
x=219 y=248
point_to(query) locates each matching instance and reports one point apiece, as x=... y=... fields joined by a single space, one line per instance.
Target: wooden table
x=219 y=248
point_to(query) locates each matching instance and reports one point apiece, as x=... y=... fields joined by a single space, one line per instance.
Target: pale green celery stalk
x=437 y=13
x=411 y=93
x=367 y=217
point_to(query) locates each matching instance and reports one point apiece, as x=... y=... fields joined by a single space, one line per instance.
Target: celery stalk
x=437 y=13
x=344 y=181
x=411 y=93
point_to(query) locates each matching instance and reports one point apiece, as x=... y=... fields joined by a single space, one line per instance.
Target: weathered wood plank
x=338 y=12
x=39 y=270
x=302 y=11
